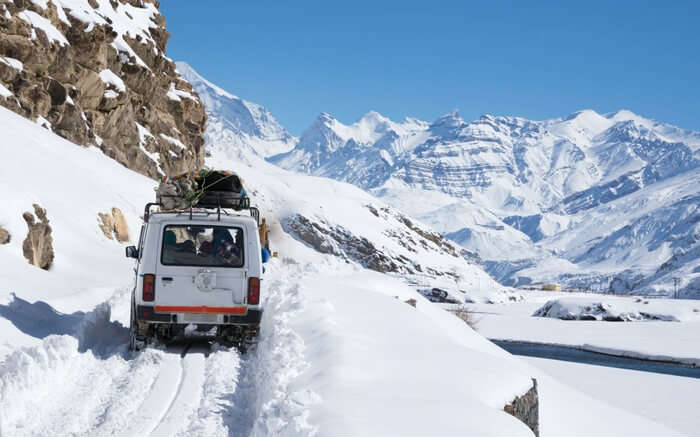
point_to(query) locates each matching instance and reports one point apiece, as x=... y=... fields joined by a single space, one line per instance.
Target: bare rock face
x=4 y=236
x=113 y=225
x=333 y=239
x=71 y=67
x=38 y=246
x=526 y=408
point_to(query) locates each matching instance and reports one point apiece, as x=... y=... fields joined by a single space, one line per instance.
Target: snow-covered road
x=182 y=389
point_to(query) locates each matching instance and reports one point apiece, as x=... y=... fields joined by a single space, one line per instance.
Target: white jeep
x=198 y=273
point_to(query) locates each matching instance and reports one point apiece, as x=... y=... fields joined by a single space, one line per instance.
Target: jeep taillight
x=253 y=291
x=149 y=288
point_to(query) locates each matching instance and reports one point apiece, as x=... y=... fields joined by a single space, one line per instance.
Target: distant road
x=574 y=355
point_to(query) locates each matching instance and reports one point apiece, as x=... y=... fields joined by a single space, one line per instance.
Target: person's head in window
x=170 y=238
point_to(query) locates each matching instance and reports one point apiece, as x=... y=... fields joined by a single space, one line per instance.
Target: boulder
x=38 y=246
x=4 y=236
x=113 y=225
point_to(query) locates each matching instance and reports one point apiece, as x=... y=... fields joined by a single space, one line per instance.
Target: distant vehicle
x=198 y=274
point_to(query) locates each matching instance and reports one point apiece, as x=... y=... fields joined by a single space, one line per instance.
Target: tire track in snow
x=187 y=395
x=167 y=392
x=154 y=407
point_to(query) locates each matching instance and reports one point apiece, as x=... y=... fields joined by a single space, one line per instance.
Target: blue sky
x=423 y=59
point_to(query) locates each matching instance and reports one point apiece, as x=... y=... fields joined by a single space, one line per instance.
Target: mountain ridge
x=552 y=200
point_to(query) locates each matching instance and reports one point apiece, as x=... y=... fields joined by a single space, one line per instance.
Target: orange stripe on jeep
x=201 y=309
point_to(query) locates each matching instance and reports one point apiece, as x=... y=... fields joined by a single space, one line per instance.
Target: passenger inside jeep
x=215 y=246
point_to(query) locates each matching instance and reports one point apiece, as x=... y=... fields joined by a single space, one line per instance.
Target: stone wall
x=95 y=72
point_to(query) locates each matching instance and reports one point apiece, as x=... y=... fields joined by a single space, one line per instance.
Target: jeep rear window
x=202 y=246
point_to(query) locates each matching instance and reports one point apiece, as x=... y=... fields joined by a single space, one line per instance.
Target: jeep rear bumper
x=147 y=313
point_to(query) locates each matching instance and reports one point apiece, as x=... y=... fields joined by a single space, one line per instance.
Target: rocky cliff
x=95 y=72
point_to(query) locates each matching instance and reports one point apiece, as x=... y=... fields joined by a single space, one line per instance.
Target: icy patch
x=109 y=78
x=37 y=21
x=111 y=94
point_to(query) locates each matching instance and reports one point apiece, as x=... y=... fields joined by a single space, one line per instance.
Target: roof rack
x=243 y=203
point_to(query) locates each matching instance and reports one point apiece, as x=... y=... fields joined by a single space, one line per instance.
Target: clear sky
x=541 y=59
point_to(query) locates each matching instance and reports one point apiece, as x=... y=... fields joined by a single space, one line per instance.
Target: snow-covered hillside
x=340 y=352
x=511 y=189
x=234 y=123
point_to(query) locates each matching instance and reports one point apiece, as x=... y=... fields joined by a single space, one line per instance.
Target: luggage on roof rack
x=203 y=189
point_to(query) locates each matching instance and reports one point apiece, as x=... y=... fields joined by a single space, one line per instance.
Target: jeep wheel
x=135 y=344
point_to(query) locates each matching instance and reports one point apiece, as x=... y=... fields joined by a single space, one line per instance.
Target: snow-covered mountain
x=362 y=153
x=235 y=123
x=510 y=189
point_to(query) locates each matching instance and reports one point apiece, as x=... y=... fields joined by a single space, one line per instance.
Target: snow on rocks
x=12 y=62
x=109 y=78
x=175 y=94
x=118 y=49
x=41 y=23
x=616 y=310
x=4 y=92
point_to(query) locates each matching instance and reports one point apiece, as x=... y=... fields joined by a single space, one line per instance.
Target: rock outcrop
x=95 y=72
x=406 y=237
x=38 y=246
x=526 y=408
x=4 y=236
x=113 y=225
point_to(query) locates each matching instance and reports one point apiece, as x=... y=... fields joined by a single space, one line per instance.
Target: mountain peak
x=192 y=76
x=583 y=114
x=375 y=117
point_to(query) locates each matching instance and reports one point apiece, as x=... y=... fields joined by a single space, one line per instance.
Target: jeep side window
x=202 y=246
x=140 y=246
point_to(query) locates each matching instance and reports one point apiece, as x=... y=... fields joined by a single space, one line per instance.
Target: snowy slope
x=63 y=339
x=339 y=353
x=234 y=122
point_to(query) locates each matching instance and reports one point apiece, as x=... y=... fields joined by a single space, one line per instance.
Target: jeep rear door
x=201 y=269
